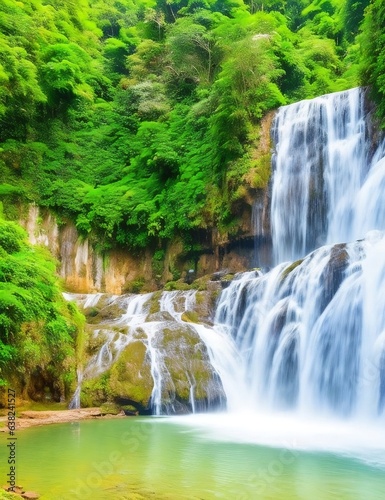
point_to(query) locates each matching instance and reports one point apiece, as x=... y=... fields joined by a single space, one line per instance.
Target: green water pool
x=162 y=458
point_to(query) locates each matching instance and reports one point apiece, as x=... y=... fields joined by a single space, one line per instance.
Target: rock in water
x=30 y=495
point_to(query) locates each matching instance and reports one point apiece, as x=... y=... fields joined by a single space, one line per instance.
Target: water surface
x=178 y=458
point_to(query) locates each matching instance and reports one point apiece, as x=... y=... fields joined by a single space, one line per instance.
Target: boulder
x=30 y=495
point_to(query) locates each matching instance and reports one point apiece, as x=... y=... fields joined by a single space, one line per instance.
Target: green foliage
x=194 y=51
x=353 y=16
x=135 y=118
x=63 y=73
x=373 y=53
x=11 y=236
x=37 y=330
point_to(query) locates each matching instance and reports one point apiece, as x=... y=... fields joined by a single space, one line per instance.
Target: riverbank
x=31 y=418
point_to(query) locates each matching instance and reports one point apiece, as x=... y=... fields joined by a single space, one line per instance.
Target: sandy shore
x=31 y=418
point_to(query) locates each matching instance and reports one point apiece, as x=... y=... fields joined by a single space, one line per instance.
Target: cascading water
x=311 y=334
x=323 y=152
x=177 y=350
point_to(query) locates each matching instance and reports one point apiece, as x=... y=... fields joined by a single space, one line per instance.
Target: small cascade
x=114 y=335
x=75 y=401
x=369 y=209
x=176 y=303
x=158 y=369
x=172 y=342
x=258 y=231
x=227 y=363
x=221 y=348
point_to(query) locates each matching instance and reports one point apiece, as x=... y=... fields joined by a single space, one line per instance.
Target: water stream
x=135 y=322
x=311 y=334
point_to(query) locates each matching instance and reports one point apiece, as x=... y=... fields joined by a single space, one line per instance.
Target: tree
x=37 y=331
x=194 y=51
x=373 y=53
x=20 y=92
x=353 y=15
x=63 y=73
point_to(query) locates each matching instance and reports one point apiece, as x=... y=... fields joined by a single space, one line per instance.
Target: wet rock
x=183 y=363
x=163 y=353
x=333 y=273
x=160 y=316
x=30 y=495
x=130 y=376
x=18 y=490
x=290 y=268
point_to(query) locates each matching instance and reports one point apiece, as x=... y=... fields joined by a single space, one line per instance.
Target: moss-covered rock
x=95 y=391
x=131 y=375
x=109 y=408
x=165 y=347
x=201 y=283
x=290 y=268
x=106 y=309
x=153 y=303
x=205 y=304
x=160 y=316
x=183 y=367
x=135 y=286
x=177 y=285
x=190 y=317
x=187 y=363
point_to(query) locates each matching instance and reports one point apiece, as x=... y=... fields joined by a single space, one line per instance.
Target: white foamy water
x=324 y=170
x=292 y=433
x=311 y=337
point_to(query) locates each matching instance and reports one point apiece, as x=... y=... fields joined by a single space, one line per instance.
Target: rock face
x=145 y=352
x=84 y=270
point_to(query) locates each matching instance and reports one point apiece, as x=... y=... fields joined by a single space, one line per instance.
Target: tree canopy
x=136 y=118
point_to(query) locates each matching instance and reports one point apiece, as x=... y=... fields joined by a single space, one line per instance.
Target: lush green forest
x=138 y=120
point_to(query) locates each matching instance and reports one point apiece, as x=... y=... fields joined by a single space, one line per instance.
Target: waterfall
x=323 y=153
x=308 y=336
x=311 y=333
x=75 y=400
x=257 y=228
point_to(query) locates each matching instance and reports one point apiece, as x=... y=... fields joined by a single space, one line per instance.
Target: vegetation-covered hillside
x=39 y=330
x=137 y=118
